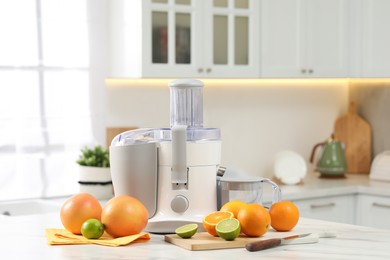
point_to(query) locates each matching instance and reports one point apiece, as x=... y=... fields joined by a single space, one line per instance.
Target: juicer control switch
x=179 y=204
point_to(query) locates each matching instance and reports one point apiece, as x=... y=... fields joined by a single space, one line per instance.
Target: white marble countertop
x=23 y=237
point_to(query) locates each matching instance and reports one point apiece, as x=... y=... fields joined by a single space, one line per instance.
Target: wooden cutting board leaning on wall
x=355 y=133
x=111 y=132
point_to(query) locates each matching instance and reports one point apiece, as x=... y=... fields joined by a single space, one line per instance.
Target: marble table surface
x=23 y=237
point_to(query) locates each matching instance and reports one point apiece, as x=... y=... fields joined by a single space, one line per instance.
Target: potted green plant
x=96 y=157
x=94 y=173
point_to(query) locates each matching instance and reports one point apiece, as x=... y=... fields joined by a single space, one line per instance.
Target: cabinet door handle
x=200 y=70
x=325 y=205
x=380 y=205
x=310 y=71
x=208 y=70
x=303 y=71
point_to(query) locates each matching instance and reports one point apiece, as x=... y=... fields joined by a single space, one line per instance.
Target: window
x=45 y=96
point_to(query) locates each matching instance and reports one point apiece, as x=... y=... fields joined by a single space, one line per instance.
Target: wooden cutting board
x=205 y=241
x=355 y=133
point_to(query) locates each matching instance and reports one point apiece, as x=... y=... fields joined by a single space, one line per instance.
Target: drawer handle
x=325 y=205
x=380 y=205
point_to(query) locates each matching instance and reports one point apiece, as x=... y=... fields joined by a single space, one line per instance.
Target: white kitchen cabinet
x=333 y=208
x=184 y=38
x=374 y=37
x=305 y=38
x=373 y=211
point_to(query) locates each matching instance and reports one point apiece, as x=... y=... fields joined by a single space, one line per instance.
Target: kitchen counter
x=23 y=237
x=313 y=186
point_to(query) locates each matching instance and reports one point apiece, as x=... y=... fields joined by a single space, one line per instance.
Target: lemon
x=187 y=231
x=228 y=228
x=92 y=229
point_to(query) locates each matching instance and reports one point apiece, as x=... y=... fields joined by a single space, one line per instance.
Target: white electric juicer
x=172 y=171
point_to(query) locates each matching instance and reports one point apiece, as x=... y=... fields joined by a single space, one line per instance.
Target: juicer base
x=166 y=225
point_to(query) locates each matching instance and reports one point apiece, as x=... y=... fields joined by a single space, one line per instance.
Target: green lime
x=92 y=228
x=187 y=231
x=228 y=228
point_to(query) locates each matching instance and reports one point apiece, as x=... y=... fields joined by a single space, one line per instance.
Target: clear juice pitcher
x=237 y=186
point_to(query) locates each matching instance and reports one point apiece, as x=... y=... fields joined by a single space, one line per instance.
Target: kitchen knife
x=264 y=244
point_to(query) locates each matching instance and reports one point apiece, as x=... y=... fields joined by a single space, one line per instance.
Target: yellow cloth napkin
x=64 y=237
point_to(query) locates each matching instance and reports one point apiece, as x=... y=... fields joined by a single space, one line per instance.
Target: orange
x=211 y=220
x=254 y=219
x=77 y=209
x=233 y=206
x=124 y=216
x=284 y=215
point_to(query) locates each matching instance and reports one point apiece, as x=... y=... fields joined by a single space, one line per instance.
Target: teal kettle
x=332 y=162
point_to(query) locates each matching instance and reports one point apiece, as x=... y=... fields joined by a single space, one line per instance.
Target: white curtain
x=50 y=91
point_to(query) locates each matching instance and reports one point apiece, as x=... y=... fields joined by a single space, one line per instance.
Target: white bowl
x=380 y=168
x=289 y=167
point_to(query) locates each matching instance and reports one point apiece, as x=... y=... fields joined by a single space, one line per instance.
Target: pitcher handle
x=276 y=191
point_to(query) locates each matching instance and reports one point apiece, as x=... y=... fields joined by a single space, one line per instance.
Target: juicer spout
x=179 y=157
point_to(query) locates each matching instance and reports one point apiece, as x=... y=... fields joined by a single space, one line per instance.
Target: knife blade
x=265 y=244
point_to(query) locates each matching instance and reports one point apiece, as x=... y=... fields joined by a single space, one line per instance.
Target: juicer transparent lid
x=151 y=135
x=186 y=109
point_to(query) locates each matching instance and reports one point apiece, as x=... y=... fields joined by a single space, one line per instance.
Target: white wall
x=372 y=98
x=257 y=118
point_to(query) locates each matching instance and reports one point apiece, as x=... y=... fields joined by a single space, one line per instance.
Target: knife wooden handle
x=263 y=244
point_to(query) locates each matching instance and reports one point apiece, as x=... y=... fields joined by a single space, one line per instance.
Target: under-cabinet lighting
x=235 y=83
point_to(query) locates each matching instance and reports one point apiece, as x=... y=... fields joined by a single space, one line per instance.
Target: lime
x=228 y=228
x=187 y=231
x=92 y=228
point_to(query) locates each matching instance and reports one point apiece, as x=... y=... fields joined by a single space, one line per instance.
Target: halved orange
x=211 y=220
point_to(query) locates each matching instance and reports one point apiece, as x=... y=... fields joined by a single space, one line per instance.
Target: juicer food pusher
x=172 y=171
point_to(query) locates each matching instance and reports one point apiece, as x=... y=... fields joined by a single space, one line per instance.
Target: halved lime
x=92 y=229
x=228 y=228
x=187 y=231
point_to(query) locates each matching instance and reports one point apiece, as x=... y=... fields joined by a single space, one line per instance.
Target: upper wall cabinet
x=184 y=38
x=374 y=36
x=305 y=38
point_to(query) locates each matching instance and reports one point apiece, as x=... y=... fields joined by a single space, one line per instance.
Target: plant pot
x=96 y=181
